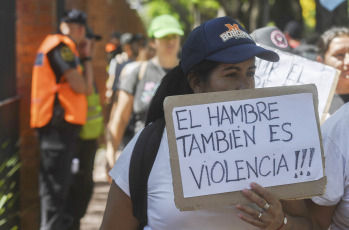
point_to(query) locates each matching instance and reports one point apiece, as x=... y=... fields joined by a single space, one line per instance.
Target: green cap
x=164 y=25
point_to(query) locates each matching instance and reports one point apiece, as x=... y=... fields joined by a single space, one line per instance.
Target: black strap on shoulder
x=142 y=160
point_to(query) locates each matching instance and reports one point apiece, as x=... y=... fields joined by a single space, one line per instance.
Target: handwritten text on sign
x=223 y=147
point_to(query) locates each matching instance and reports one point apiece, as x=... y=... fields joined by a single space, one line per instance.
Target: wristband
x=284 y=222
x=88 y=58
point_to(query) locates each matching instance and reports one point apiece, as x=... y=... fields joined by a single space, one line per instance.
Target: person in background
x=130 y=46
x=333 y=48
x=273 y=37
x=112 y=48
x=331 y=210
x=133 y=48
x=58 y=110
x=82 y=184
x=301 y=46
x=137 y=89
x=145 y=53
x=293 y=32
x=211 y=62
x=118 y=60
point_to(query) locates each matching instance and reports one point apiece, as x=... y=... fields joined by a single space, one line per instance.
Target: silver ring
x=260 y=215
x=266 y=206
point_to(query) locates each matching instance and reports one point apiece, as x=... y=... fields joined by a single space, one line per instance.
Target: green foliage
x=206 y=4
x=158 y=7
x=9 y=194
x=193 y=12
x=208 y=8
x=309 y=13
x=183 y=10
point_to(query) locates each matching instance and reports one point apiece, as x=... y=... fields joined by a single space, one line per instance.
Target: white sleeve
x=120 y=171
x=127 y=70
x=334 y=171
x=112 y=66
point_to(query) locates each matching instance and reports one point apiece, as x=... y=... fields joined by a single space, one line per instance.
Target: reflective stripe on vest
x=44 y=88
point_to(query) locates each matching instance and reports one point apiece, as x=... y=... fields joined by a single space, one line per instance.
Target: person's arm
x=118 y=212
x=82 y=83
x=78 y=82
x=321 y=215
x=88 y=75
x=118 y=123
x=273 y=216
x=110 y=80
x=297 y=214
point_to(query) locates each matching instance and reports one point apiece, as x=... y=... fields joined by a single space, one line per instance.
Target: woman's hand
x=271 y=215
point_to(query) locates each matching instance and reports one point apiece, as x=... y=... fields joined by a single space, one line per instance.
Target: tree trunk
x=231 y=7
x=255 y=15
x=284 y=11
x=183 y=13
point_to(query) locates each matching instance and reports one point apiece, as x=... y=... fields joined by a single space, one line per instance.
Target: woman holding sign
x=218 y=55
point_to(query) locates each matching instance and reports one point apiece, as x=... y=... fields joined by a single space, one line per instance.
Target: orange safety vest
x=44 y=88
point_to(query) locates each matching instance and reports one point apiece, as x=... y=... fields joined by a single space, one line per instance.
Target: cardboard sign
x=221 y=142
x=296 y=70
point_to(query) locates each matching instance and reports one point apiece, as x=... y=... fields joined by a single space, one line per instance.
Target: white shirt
x=335 y=133
x=162 y=212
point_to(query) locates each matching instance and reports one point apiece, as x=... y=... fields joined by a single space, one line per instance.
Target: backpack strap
x=142 y=160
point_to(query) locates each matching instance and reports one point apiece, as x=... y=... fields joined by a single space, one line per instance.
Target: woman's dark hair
x=327 y=37
x=176 y=83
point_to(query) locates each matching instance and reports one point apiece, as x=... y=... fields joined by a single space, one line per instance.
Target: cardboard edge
x=330 y=97
x=174 y=160
x=225 y=199
x=195 y=99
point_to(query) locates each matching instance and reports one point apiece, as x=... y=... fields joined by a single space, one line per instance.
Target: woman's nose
x=247 y=83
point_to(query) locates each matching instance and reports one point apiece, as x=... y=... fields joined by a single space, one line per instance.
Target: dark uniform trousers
x=58 y=145
x=81 y=188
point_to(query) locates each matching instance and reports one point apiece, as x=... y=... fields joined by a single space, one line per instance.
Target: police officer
x=58 y=109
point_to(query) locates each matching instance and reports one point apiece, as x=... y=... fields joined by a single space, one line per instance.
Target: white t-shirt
x=335 y=133
x=162 y=212
x=119 y=58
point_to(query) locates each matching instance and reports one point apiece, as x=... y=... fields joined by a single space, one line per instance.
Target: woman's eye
x=250 y=74
x=231 y=75
x=340 y=55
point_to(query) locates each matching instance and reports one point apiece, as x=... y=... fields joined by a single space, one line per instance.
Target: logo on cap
x=278 y=38
x=233 y=32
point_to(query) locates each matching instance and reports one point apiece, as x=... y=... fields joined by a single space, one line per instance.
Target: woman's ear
x=195 y=82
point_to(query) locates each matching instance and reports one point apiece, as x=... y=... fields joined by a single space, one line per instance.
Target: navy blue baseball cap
x=222 y=40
